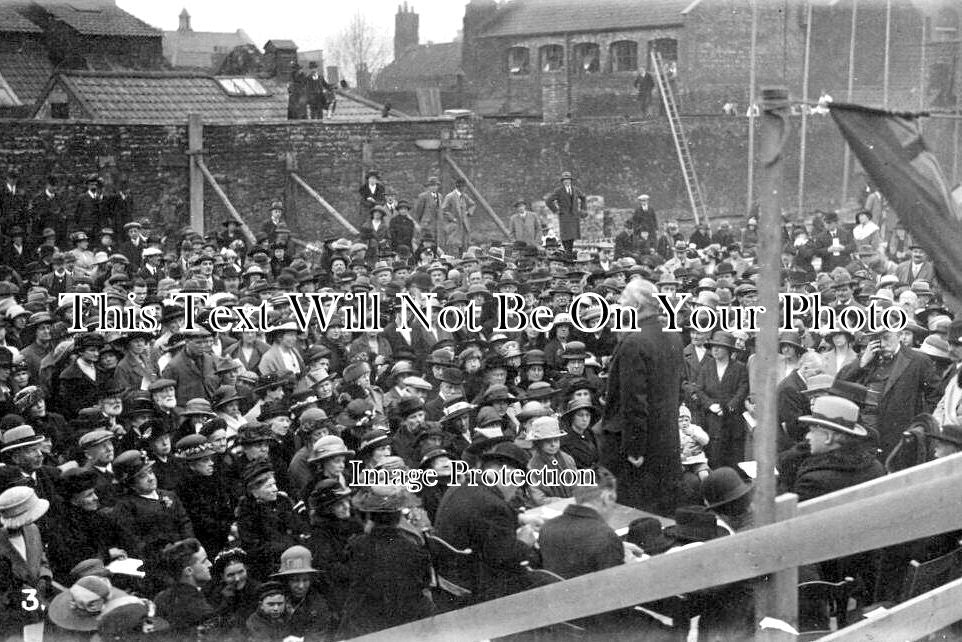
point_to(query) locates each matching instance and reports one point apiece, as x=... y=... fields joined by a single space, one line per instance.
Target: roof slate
x=25 y=73
x=13 y=22
x=530 y=17
x=145 y=97
x=102 y=20
x=421 y=62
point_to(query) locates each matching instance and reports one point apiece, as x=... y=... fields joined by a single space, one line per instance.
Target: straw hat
x=77 y=608
x=20 y=506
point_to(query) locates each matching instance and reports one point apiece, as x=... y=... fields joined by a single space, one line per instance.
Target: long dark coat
x=727 y=432
x=641 y=417
x=209 y=507
x=478 y=517
x=77 y=391
x=266 y=530
x=79 y=534
x=570 y=210
x=389 y=576
x=153 y=523
x=912 y=388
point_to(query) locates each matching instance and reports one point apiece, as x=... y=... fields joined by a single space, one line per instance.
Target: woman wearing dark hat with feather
x=390 y=575
x=333 y=524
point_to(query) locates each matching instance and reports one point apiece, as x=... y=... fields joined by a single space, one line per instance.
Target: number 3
x=31 y=603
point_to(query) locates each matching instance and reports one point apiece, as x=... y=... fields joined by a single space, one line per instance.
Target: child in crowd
x=693 y=441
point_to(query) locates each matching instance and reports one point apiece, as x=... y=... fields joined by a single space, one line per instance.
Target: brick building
x=555 y=58
x=200 y=50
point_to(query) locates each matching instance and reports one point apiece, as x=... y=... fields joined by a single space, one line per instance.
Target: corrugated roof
x=201 y=49
x=25 y=73
x=103 y=20
x=163 y=97
x=424 y=62
x=13 y=22
x=531 y=17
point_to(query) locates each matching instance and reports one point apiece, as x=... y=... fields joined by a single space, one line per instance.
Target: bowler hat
x=694 y=524
x=722 y=486
x=645 y=532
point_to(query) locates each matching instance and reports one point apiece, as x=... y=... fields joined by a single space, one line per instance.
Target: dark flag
x=890 y=148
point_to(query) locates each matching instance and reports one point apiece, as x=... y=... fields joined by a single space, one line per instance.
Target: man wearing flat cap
x=193 y=368
x=569 y=203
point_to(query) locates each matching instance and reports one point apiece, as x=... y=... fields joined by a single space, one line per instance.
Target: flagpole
x=751 y=110
x=805 y=109
x=775 y=122
x=846 y=162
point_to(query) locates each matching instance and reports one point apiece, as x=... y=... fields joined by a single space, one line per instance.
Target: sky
x=310 y=24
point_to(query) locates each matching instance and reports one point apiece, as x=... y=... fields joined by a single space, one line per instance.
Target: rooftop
x=201 y=49
x=426 y=62
x=25 y=73
x=169 y=97
x=13 y=22
x=532 y=17
x=104 y=20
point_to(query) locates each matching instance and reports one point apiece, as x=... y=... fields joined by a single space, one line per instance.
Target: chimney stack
x=184 y=21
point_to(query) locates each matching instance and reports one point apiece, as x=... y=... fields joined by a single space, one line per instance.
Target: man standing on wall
x=569 y=203
x=457 y=207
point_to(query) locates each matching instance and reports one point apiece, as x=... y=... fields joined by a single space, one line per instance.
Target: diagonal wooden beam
x=199 y=161
x=320 y=199
x=474 y=190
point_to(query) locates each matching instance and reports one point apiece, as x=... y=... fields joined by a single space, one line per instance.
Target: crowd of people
x=187 y=482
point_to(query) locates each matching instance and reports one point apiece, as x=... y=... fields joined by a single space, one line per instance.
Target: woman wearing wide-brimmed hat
x=720 y=391
x=545 y=438
x=390 y=574
x=579 y=440
x=309 y=612
x=20 y=508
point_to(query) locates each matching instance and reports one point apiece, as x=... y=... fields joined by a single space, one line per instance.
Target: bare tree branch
x=360 y=43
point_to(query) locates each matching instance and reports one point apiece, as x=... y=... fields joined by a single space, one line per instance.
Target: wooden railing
x=911 y=504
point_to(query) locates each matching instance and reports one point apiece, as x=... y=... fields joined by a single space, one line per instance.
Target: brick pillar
x=554 y=97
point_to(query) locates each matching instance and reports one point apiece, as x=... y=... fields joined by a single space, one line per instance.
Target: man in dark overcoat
x=902 y=383
x=480 y=518
x=639 y=440
x=569 y=203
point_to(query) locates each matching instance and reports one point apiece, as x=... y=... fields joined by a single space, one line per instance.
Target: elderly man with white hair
x=639 y=441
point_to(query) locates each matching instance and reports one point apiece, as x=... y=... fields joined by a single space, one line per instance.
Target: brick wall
x=611 y=161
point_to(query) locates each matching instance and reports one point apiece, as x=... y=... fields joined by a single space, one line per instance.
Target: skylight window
x=242 y=87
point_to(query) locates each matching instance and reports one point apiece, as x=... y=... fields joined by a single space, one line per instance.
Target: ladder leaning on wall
x=663 y=83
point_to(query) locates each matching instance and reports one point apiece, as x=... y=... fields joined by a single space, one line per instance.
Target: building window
x=518 y=62
x=667 y=47
x=552 y=58
x=60 y=111
x=587 y=58
x=624 y=56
